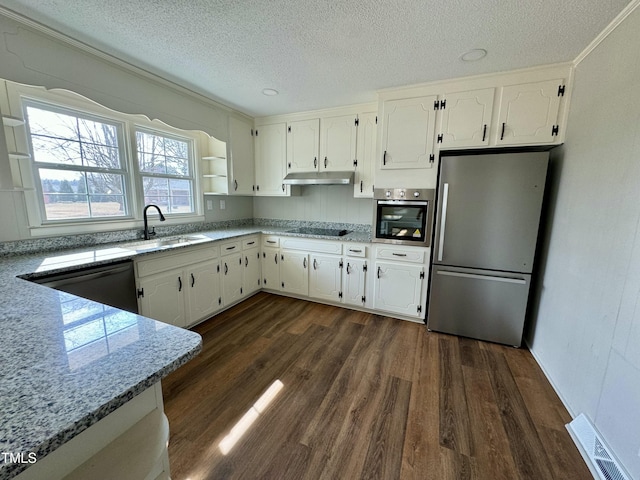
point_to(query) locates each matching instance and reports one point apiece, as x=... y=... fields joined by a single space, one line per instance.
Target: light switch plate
x=223 y=204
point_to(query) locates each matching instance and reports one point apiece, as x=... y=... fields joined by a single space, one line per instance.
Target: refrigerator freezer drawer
x=481 y=304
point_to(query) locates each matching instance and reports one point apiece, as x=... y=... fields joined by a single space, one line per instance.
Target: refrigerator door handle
x=519 y=281
x=443 y=220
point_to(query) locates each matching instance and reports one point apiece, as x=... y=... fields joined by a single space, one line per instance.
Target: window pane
x=52 y=124
x=54 y=150
x=157 y=154
x=180 y=196
x=156 y=190
x=78 y=145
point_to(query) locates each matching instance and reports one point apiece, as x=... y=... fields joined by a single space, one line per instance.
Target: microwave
x=403 y=216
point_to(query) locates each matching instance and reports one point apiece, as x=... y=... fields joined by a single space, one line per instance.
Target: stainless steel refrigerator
x=488 y=214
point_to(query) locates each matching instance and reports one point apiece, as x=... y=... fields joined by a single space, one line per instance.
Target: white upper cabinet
x=303 y=139
x=365 y=155
x=408 y=129
x=242 y=164
x=465 y=118
x=271 y=155
x=338 y=141
x=529 y=113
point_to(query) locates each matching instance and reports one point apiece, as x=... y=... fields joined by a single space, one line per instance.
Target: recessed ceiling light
x=473 y=55
x=269 y=92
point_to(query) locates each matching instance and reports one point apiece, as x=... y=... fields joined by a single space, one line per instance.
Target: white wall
x=32 y=57
x=317 y=203
x=587 y=327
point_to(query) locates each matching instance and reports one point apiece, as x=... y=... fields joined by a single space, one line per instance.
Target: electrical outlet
x=209 y=204
x=223 y=204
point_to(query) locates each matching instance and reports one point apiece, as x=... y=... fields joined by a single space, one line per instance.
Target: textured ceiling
x=322 y=53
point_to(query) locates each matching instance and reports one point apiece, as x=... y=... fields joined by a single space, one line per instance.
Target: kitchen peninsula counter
x=51 y=387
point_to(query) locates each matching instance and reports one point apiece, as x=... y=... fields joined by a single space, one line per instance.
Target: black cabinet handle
x=484 y=132
x=271 y=241
x=179 y=284
x=304 y=263
x=315 y=162
x=399 y=254
x=231 y=248
x=246 y=261
x=264 y=255
x=502 y=134
x=325 y=162
x=283 y=187
x=226 y=268
x=360 y=186
x=240 y=261
x=276 y=258
x=348 y=269
x=384 y=158
x=235 y=184
x=250 y=243
x=378 y=272
x=315 y=264
x=193 y=280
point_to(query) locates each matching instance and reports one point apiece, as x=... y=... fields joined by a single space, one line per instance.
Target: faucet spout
x=148 y=234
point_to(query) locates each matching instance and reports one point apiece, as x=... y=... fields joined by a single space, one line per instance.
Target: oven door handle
x=443 y=220
x=422 y=203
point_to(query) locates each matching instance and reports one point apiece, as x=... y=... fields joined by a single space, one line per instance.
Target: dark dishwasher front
x=112 y=284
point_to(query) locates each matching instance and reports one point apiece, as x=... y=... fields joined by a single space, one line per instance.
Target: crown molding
x=115 y=61
x=607 y=31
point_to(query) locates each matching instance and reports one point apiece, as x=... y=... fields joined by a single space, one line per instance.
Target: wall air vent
x=597 y=455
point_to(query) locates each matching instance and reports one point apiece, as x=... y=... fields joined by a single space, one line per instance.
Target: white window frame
x=23 y=169
x=193 y=178
x=125 y=171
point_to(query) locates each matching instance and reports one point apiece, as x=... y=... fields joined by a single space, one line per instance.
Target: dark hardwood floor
x=360 y=396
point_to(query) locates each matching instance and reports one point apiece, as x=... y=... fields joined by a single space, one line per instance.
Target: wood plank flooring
x=362 y=396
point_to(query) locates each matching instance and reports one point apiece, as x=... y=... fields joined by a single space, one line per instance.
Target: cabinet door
x=271 y=268
x=302 y=145
x=365 y=155
x=353 y=281
x=325 y=277
x=231 y=267
x=251 y=271
x=529 y=113
x=294 y=274
x=203 y=291
x=408 y=133
x=398 y=288
x=242 y=162
x=271 y=155
x=465 y=118
x=338 y=143
x=163 y=297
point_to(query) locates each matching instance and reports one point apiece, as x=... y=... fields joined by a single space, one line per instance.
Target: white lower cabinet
x=325 y=277
x=251 y=281
x=161 y=297
x=294 y=274
x=354 y=274
x=179 y=288
x=203 y=290
x=231 y=266
x=398 y=288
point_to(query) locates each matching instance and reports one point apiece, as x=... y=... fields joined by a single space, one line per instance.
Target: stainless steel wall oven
x=403 y=216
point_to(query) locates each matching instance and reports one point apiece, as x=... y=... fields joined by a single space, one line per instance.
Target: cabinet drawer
x=168 y=261
x=355 y=250
x=270 y=241
x=250 y=242
x=227 y=248
x=402 y=254
x=319 y=246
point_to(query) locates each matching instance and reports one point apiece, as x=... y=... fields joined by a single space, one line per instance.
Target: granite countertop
x=68 y=362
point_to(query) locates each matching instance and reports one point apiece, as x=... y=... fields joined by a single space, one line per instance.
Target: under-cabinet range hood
x=319 y=178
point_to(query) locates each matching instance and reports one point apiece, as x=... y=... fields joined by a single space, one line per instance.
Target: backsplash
x=24 y=247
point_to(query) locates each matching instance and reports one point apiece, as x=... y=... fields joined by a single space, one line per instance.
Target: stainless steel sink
x=164 y=243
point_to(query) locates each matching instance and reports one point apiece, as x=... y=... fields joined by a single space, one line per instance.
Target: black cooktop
x=327 y=232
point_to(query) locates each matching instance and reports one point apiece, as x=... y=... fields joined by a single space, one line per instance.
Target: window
x=79 y=164
x=165 y=165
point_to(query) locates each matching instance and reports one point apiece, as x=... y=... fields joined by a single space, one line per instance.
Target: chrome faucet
x=150 y=233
